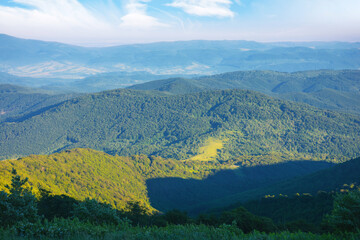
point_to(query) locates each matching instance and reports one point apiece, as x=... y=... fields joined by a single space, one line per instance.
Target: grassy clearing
x=209 y=151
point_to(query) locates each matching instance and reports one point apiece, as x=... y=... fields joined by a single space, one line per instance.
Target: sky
x=114 y=22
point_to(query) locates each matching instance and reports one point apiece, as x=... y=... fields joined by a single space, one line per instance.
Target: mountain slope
x=192 y=195
x=325 y=180
x=137 y=122
x=17 y=51
x=334 y=90
x=82 y=173
x=114 y=80
x=332 y=179
x=173 y=86
x=15 y=100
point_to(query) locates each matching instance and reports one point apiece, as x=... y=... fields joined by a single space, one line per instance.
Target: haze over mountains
x=64 y=64
x=191 y=125
x=180 y=119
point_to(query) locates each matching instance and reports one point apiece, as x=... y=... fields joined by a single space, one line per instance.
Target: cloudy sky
x=112 y=22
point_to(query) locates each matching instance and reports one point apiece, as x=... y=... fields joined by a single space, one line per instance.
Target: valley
x=231 y=135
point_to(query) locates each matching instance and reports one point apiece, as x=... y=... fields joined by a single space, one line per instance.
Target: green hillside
x=342 y=176
x=334 y=90
x=128 y=122
x=16 y=100
x=82 y=173
x=173 y=86
x=196 y=196
x=335 y=178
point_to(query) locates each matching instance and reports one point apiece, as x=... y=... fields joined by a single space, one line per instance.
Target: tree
x=345 y=216
x=19 y=205
x=137 y=213
x=96 y=213
x=51 y=206
x=176 y=217
x=247 y=221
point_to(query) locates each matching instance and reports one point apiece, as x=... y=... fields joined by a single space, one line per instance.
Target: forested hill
x=82 y=173
x=334 y=178
x=15 y=100
x=340 y=177
x=334 y=90
x=202 y=126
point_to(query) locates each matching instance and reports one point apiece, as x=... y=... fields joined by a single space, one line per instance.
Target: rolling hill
x=236 y=122
x=334 y=90
x=196 y=196
x=336 y=178
x=16 y=100
x=229 y=189
x=112 y=80
x=82 y=173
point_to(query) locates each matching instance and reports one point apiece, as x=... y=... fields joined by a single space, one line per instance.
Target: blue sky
x=112 y=22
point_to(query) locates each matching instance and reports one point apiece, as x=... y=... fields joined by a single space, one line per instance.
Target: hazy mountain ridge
x=55 y=60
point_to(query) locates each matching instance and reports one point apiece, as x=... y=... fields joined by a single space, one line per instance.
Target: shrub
x=176 y=217
x=247 y=221
x=345 y=216
x=96 y=213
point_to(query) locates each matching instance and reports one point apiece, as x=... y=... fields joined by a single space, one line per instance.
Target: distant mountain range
x=61 y=63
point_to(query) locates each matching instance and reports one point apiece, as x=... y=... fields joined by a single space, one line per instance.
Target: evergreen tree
x=95 y=212
x=19 y=205
x=345 y=215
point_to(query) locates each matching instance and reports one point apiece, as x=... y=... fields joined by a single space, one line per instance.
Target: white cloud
x=72 y=22
x=50 y=20
x=112 y=22
x=137 y=17
x=216 y=8
x=54 y=13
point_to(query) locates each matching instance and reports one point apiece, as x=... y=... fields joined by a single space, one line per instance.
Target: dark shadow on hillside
x=23 y=117
x=183 y=194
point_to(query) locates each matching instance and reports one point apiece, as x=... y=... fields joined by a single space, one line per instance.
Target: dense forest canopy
x=328 y=89
x=235 y=122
